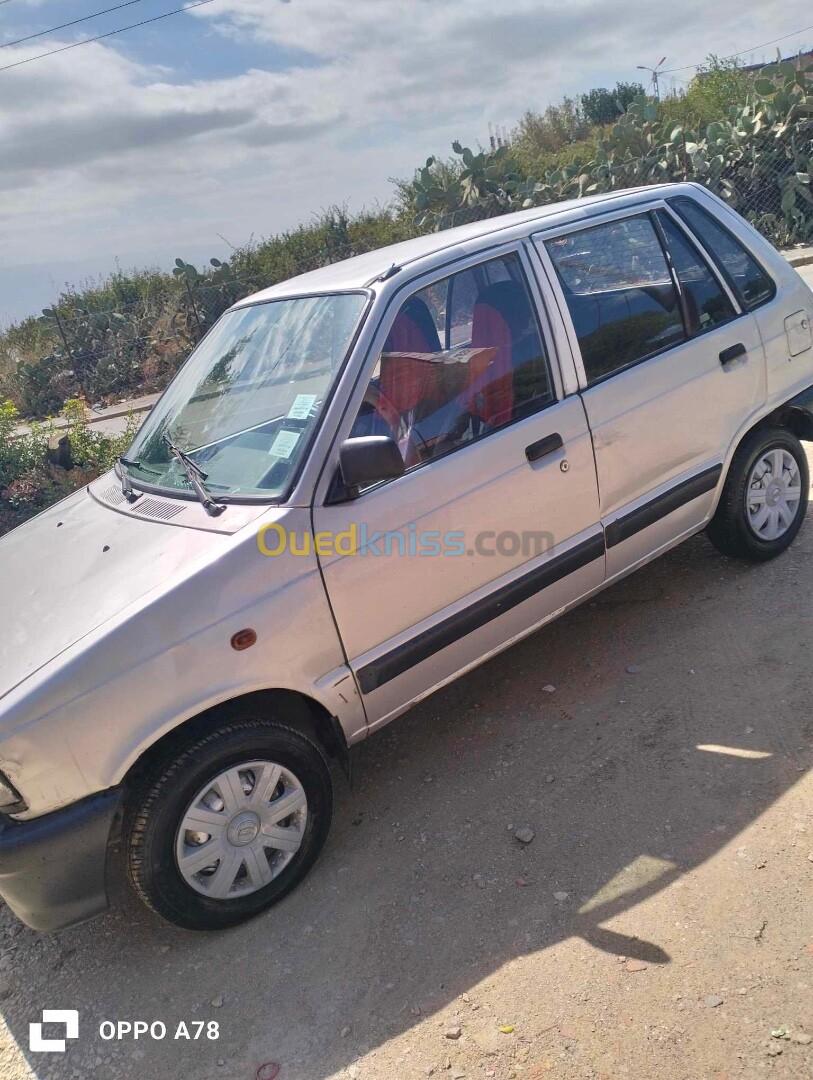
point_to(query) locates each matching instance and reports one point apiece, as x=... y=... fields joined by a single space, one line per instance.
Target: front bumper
x=52 y=869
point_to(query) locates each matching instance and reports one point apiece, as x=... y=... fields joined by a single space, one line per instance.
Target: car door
x=670 y=365
x=494 y=525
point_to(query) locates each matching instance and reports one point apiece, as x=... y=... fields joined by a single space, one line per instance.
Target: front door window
x=464 y=357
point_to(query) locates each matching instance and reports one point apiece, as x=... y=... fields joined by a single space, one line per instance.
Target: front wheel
x=230 y=824
x=765 y=497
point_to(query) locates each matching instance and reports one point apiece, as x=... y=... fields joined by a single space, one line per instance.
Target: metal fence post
x=63 y=335
x=194 y=306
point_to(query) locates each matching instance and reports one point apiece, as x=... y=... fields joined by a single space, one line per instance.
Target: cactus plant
x=759 y=159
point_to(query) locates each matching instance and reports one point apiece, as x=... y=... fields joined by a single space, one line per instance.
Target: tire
x=732 y=529
x=156 y=846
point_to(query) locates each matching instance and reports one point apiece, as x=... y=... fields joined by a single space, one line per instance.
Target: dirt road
x=658 y=742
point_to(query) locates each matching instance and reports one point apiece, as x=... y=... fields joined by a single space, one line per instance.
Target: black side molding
x=422 y=646
x=544 y=446
x=625 y=527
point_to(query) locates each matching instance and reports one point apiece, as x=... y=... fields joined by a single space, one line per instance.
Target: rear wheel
x=230 y=824
x=765 y=497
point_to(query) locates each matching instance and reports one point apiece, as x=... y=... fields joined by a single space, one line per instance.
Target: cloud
x=107 y=155
x=50 y=144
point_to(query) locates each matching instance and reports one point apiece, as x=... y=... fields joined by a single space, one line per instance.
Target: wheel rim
x=241 y=830
x=773 y=494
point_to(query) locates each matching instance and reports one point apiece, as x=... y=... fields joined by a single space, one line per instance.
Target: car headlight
x=11 y=801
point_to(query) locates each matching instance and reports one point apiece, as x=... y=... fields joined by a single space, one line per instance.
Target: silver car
x=364 y=482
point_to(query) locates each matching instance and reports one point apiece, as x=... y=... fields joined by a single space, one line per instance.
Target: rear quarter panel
x=785 y=374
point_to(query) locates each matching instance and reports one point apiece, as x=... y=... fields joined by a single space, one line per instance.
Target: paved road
x=111 y=419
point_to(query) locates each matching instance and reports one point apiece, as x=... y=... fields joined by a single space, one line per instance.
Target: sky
x=241 y=118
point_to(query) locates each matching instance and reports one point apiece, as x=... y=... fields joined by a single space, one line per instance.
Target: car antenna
x=393 y=270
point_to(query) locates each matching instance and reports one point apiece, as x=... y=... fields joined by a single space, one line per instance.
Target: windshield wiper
x=126 y=486
x=196 y=477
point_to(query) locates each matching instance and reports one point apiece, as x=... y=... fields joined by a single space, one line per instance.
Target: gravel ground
x=656 y=743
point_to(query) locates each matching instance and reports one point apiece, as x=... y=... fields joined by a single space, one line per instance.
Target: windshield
x=244 y=404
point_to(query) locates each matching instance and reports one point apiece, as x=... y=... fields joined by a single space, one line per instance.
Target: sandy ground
x=657 y=741
x=659 y=924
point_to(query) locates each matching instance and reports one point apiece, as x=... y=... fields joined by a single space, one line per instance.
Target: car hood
x=72 y=568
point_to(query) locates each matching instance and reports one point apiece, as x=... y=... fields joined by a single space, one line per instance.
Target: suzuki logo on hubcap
x=244 y=829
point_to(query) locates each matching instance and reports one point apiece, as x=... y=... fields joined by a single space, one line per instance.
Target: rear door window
x=620 y=293
x=749 y=281
x=707 y=304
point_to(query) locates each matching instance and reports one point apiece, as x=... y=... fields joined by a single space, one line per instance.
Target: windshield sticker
x=283 y=445
x=301 y=408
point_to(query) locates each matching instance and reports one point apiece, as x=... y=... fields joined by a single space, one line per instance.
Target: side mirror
x=369 y=459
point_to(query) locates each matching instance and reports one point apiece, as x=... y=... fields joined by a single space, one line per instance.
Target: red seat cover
x=408 y=377
x=491 y=374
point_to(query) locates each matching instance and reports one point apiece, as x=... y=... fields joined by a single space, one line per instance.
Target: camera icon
x=68 y=1017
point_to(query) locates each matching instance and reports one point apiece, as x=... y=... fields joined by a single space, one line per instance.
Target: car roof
x=361 y=271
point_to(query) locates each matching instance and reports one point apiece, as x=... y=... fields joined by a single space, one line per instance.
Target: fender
x=799 y=412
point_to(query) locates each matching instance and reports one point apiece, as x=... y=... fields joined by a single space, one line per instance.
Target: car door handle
x=732 y=352
x=544 y=446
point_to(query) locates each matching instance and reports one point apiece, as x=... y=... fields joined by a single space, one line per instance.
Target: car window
x=463 y=289
x=749 y=281
x=620 y=293
x=706 y=301
x=437 y=299
x=433 y=397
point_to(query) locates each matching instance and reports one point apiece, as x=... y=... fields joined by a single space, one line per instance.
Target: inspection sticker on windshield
x=283 y=445
x=301 y=408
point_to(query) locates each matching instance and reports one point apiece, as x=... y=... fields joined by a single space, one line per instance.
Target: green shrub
x=19 y=456
x=602 y=106
x=718 y=84
x=92 y=449
x=27 y=478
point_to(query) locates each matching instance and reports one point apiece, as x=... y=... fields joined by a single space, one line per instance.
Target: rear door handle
x=544 y=446
x=732 y=352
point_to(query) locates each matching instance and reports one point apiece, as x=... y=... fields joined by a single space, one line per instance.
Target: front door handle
x=544 y=446
x=732 y=352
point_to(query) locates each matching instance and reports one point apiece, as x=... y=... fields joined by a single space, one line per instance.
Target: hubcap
x=241 y=830
x=244 y=829
x=773 y=494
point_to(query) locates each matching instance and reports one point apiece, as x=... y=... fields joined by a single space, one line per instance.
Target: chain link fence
x=775 y=197
x=135 y=347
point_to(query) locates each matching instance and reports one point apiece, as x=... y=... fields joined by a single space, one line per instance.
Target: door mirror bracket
x=363 y=461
